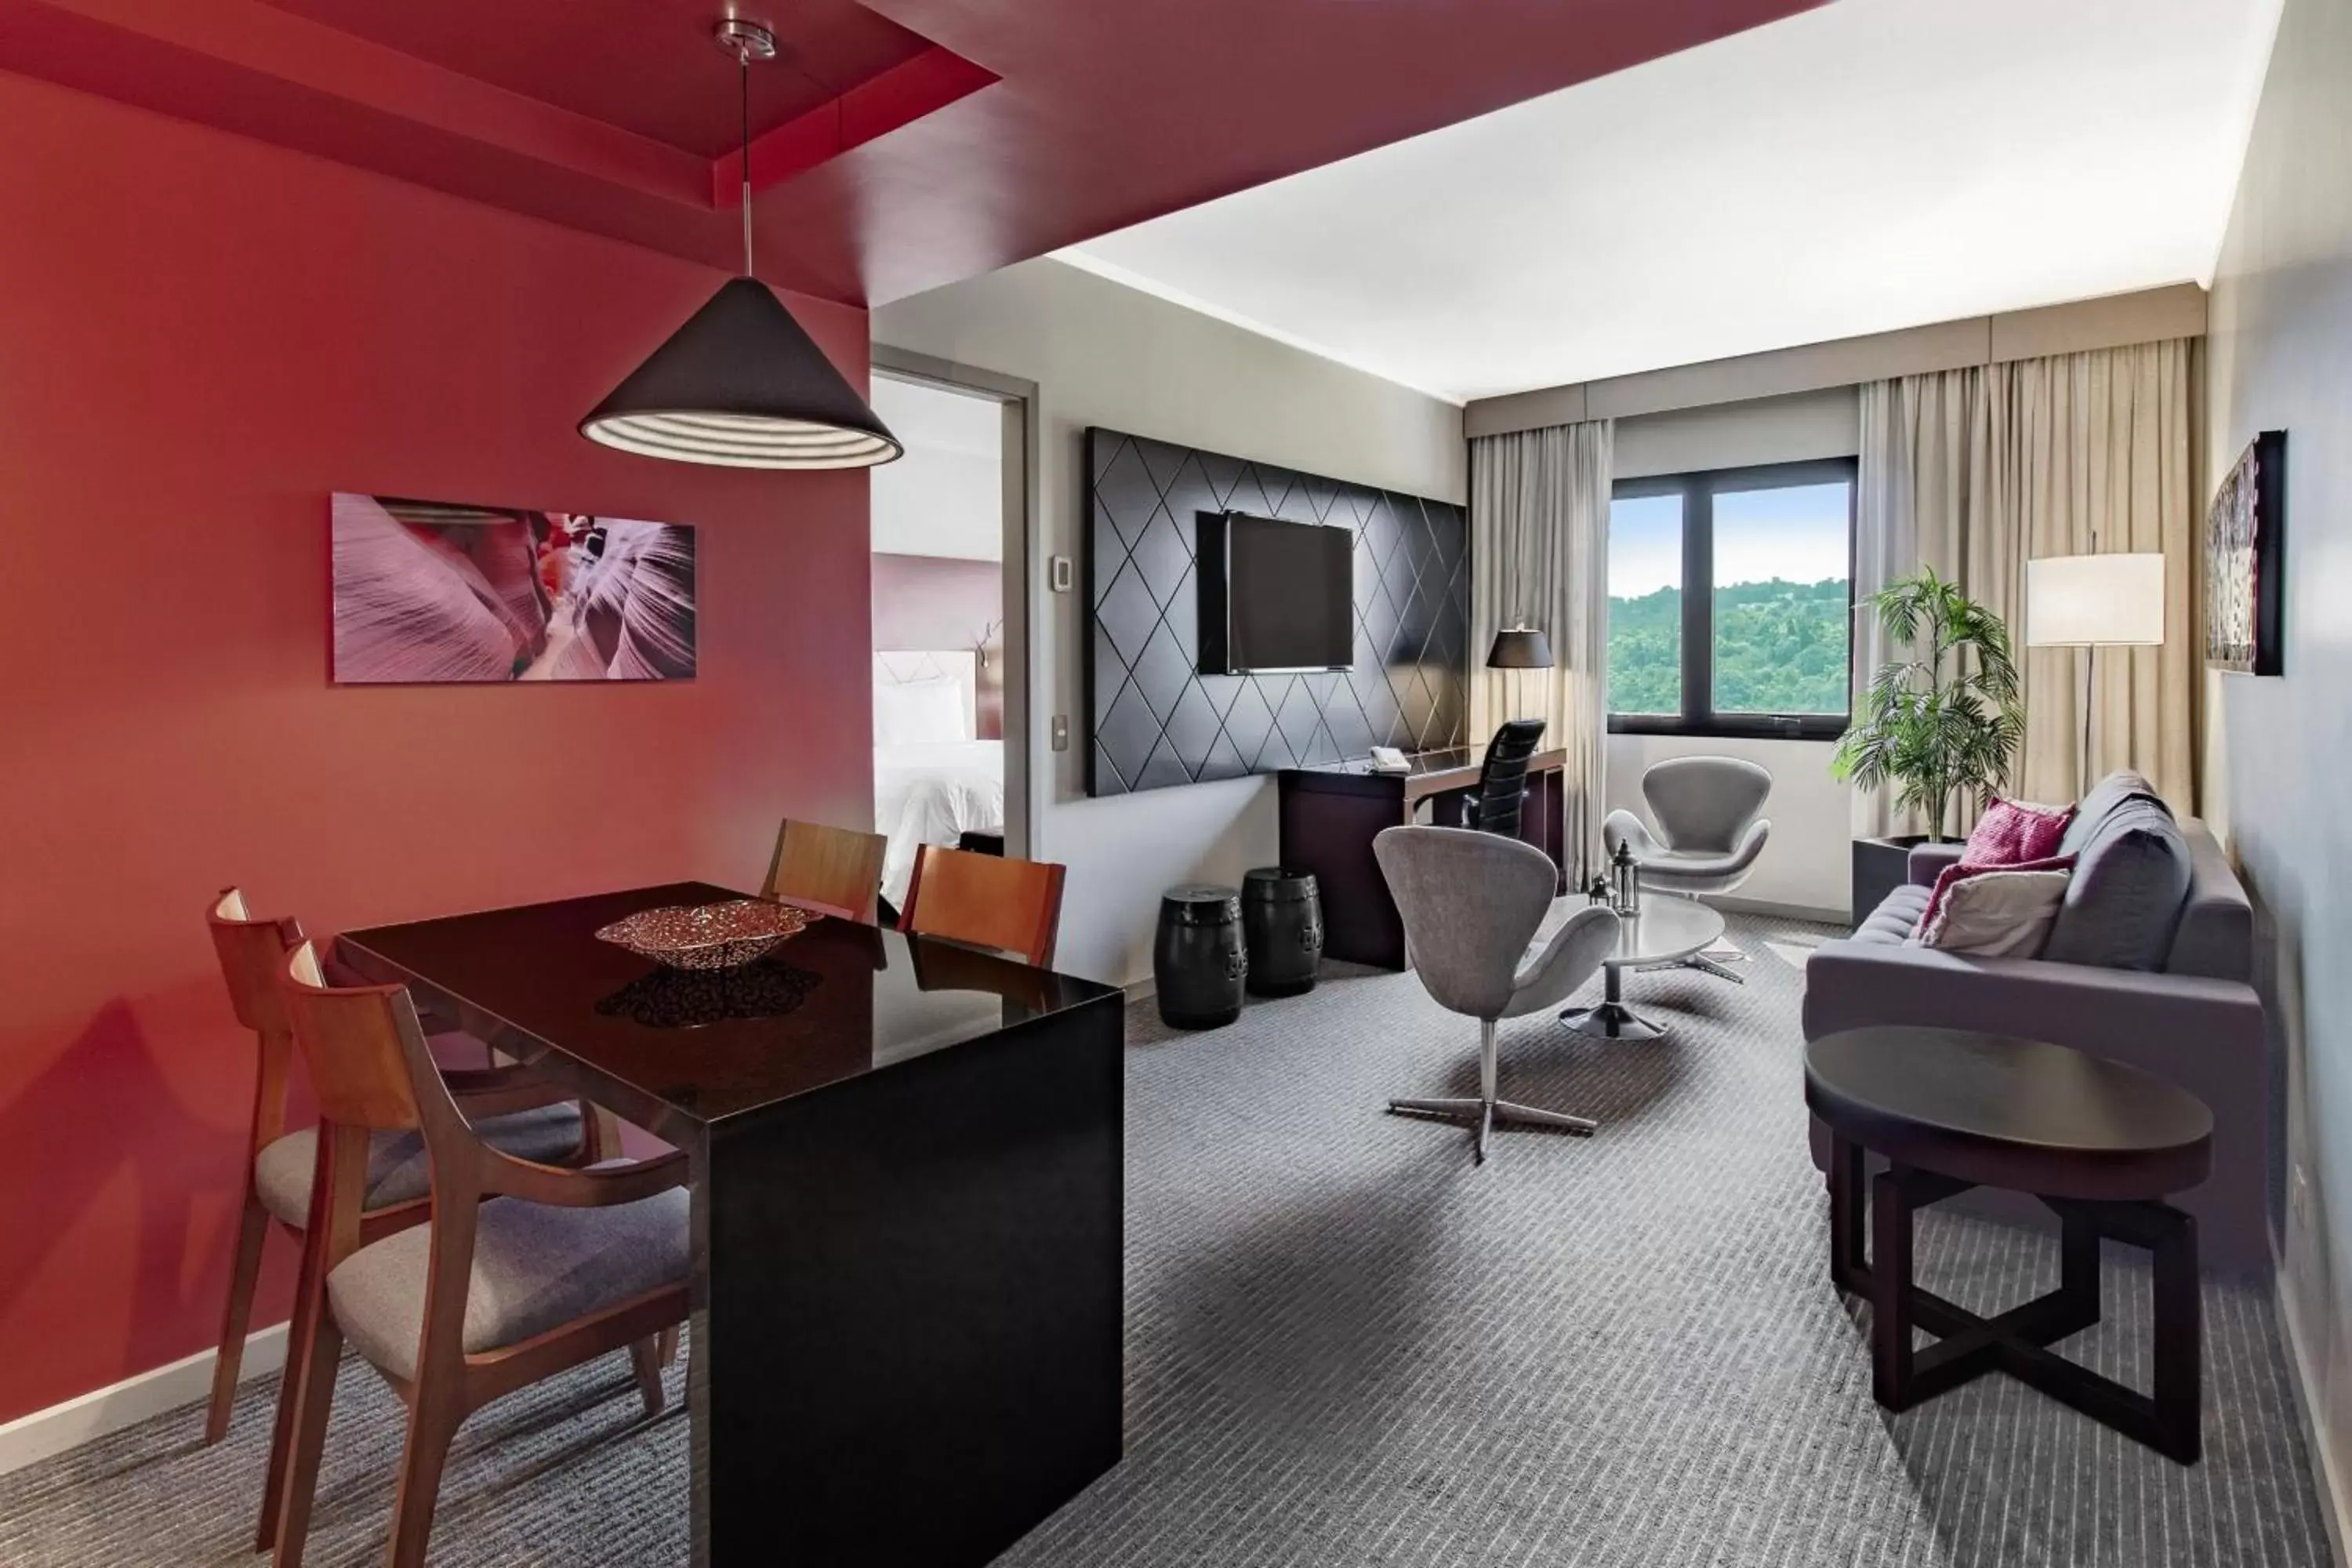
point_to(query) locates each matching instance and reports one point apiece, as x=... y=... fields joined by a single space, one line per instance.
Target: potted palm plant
x=1939 y=723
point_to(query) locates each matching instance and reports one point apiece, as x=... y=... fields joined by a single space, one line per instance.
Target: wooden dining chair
x=485 y=1298
x=837 y=869
x=278 y=1163
x=280 y=1166
x=986 y=900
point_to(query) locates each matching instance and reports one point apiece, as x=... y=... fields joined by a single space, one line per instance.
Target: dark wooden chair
x=986 y=900
x=1502 y=793
x=575 y=1264
x=280 y=1166
x=836 y=869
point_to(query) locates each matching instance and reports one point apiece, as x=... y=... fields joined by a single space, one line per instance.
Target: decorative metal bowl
x=707 y=936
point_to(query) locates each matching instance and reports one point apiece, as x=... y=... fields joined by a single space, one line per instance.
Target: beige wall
x=2147 y=315
x=2280 y=750
x=1105 y=354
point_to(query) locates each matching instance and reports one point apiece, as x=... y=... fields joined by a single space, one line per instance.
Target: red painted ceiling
x=627 y=61
x=904 y=143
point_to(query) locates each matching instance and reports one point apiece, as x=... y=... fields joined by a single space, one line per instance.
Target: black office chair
x=1503 y=779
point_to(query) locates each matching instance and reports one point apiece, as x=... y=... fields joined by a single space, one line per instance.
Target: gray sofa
x=2151 y=962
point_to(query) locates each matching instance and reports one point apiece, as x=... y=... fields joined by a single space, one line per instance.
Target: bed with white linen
x=933 y=781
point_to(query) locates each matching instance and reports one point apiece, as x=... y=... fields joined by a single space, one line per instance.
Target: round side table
x=2101 y=1145
x=1666 y=930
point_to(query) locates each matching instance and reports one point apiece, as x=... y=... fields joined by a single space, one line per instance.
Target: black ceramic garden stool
x=1198 y=963
x=1282 y=922
x=2098 y=1142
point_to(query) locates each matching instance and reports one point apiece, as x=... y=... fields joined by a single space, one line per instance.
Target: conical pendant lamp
x=742 y=384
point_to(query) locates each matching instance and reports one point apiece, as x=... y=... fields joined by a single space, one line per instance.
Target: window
x=1730 y=601
x=1645 y=605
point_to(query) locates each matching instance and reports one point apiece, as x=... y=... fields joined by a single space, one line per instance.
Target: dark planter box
x=1880 y=866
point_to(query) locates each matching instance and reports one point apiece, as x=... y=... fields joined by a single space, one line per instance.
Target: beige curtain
x=1975 y=472
x=1539 y=555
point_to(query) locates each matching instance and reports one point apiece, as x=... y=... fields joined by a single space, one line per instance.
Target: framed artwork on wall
x=2245 y=557
x=427 y=592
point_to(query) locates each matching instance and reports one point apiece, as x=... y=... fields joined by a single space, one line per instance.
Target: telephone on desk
x=1388 y=759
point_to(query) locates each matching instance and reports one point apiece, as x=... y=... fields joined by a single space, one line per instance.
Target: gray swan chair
x=1471 y=902
x=1709 y=830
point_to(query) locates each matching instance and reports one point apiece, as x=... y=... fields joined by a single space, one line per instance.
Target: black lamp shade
x=742 y=385
x=1520 y=648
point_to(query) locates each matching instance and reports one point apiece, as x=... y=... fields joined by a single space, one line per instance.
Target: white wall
x=1807 y=864
x=946 y=496
x=2280 y=357
x=1105 y=354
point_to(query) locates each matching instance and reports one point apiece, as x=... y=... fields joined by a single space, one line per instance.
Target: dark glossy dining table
x=907 y=1194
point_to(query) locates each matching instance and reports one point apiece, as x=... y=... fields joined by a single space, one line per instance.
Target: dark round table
x=2100 y=1143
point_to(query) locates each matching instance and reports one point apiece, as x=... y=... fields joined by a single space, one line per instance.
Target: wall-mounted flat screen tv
x=1275 y=596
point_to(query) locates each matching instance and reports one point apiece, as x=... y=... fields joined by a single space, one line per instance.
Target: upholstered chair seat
x=1693 y=870
x=535 y=1267
x=398 y=1172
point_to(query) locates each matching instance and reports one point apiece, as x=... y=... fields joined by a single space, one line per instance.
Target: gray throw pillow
x=2131 y=878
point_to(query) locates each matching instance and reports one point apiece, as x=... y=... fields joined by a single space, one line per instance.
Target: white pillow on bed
x=919 y=713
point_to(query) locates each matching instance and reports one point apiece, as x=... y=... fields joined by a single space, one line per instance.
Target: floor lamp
x=2093 y=601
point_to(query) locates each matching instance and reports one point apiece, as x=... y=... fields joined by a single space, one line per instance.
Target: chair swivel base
x=1480 y=1115
x=1612 y=1020
x=1610 y=1017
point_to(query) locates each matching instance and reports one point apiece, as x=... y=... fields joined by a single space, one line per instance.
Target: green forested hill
x=1780 y=647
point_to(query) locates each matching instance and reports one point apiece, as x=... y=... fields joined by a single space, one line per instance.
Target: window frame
x=1698 y=489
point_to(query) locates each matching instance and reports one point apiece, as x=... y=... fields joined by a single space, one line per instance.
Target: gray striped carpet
x=1348 y=1347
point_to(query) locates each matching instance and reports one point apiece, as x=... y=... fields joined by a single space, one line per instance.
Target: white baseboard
x=2326 y=1472
x=1732 y=904
x=29 y=1439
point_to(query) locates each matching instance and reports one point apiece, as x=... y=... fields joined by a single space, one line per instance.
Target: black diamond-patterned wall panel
x=1157 y=720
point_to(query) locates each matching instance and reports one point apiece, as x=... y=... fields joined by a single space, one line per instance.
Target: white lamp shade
x=2095 y=601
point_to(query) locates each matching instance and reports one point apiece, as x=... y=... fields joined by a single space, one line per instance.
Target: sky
x=1795 y=531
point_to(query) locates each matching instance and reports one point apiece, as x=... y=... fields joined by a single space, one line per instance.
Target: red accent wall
x=200 y=338
x=931 y=601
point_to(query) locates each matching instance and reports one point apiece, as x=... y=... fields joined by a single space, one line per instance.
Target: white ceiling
x=1869 y=165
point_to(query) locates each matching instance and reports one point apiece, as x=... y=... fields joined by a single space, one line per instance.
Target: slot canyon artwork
x=427 y=592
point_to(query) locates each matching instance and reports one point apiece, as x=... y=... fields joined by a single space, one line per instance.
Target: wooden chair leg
x=252 y=1230
x=301 y=1336
x=667 y=1346
x=600 y=1134
x=315 y=1400
x=433 y=1423
x=645 y=1359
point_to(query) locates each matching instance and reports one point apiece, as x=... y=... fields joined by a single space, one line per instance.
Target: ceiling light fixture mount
x=742 y=384
x=745 y=41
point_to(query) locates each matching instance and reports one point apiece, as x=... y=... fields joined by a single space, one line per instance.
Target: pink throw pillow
x=2013 y=832
x=1953 y=875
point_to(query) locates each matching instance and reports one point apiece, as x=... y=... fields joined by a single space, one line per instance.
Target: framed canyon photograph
x=428 y=592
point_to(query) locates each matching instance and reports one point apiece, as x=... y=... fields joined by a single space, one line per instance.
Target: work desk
x=1331 y=814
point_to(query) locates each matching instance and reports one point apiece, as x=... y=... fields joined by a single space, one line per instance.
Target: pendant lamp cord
x=743 y=68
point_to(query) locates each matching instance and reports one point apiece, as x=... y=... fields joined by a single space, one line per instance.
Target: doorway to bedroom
x=950 y=714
